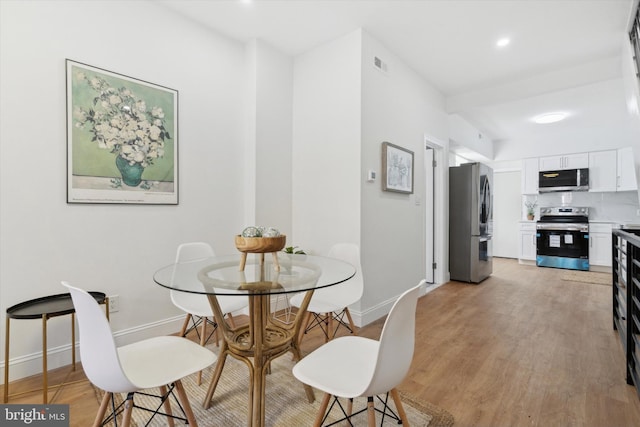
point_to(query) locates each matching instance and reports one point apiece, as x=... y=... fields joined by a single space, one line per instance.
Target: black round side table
x=45 y=308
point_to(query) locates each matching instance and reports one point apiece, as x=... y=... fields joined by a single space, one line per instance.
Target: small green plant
x=294 y=250
x=531 y=206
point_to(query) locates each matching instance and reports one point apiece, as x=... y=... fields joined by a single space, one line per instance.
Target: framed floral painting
x=122 y=138
x=397 y=168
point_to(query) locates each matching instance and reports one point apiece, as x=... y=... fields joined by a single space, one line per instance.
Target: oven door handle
x=563 y=227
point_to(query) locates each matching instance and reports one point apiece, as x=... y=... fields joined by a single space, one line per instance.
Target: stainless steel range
x=563 y=238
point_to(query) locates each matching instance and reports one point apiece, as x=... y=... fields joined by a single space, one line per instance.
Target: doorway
x=429 y=175
x=507 y=213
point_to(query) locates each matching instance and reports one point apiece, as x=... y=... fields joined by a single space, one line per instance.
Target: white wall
x=326 y=145
x=115 y=249
x=399 y=107
x=462 y=133
x=270 y=141
x=344 y=108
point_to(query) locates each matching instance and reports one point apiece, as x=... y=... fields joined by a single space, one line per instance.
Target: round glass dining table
x=262 y=339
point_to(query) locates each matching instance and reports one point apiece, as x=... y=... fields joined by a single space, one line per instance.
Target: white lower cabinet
x=527 y=240
x=600 y=244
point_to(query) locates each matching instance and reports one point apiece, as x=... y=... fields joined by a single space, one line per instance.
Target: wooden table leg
x=6 y=363
x=258 y=318
x=73 y=341
x=45 y=384
x=261 y=353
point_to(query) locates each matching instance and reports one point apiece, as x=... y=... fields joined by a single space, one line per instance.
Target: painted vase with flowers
x=123 y=123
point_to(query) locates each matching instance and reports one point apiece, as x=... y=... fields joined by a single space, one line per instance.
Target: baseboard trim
x=361 y=318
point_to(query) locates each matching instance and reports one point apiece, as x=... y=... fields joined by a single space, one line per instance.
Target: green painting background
x=90 y=160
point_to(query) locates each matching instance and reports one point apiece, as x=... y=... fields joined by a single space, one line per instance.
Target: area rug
x=286 y=403
x=588 y=277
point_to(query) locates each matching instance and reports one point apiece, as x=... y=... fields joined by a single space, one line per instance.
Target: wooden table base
x=257 y=344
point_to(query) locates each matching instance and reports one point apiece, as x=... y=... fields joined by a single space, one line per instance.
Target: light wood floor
x=523 y=348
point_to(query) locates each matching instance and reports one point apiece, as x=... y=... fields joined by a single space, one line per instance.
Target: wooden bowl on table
x=260 y=245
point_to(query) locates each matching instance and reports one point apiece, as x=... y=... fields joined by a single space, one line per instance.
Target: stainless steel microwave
x=563 y=180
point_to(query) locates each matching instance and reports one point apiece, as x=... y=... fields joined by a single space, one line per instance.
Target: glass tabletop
x=221 y=275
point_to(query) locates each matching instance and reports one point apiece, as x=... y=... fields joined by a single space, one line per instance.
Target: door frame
x=439 y=208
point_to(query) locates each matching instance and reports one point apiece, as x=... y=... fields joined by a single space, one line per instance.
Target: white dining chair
x=196 y=306
x=352 y=366
x=159 y=362
x=331 y=304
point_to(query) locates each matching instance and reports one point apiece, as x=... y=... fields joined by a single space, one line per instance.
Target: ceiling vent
x=379 y=64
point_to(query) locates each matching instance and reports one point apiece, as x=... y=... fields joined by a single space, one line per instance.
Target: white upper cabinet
x=529 y=176
x=626 y=170
x=609 y=170
x=602 y=171
x=569 y=161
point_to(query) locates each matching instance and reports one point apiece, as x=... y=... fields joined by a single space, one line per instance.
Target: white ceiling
x=558 y=49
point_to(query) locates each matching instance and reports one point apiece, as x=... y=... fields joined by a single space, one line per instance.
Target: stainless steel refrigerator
x=470 y=222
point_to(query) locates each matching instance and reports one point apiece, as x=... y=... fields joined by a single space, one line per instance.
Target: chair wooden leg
x=102 y=410
x=128 y=407
x=203 y=339
x=167 y=405
x=351 y=325
x=403 y=415
x=203 y=332
x=321 y=411
x=349 y=411
x=182 y=395
x=185 y=325
x=231 y=321
x=304 y=326
x=331 y=334
x=216 y=376
x=371 y=412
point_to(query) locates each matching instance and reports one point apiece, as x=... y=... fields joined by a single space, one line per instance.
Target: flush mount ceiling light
x=550 y=117
x=503 y=42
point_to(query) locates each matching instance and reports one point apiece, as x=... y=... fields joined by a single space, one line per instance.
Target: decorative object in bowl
x=256 y=245
x=260 y=245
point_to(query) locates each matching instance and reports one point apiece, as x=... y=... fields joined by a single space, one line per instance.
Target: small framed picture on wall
x=397 y=168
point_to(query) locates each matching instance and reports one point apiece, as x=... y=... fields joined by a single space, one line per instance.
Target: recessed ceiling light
x=550 y=117
x=503 y=42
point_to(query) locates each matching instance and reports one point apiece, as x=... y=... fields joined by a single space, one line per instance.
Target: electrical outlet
x=114 y=303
